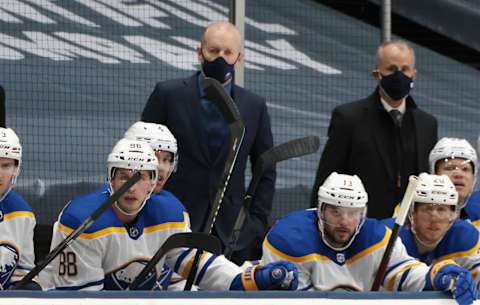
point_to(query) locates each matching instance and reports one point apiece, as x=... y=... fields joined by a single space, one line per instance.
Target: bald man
x=203 y=141
x=383 y=138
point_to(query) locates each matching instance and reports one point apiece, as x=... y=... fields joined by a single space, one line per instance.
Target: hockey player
x=164 y=144
x=434 y=233
x=457 y=159
x=112 y=252
x=17 y=220
x=337 y=247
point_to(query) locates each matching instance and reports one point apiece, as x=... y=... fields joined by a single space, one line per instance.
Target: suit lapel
x=194 y=114
x=380 y=133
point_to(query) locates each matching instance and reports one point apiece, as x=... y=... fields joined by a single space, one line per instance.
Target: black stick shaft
x=399 y=221
x=218 y=95
x=83 y=226
x=216 y=206
x=386 y=258
x=292 y=149
x=199 y=241
x=237 y=227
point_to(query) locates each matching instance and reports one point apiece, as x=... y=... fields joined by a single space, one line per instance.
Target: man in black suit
x=383 y=138
x=203 y=142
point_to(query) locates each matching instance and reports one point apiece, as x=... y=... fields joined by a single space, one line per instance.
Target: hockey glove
x=280 y=275
x=448 y=276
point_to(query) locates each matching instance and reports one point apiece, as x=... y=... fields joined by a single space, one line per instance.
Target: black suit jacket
x=359 y=143
x=176 y=104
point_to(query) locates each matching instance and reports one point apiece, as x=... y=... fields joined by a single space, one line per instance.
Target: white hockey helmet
x=435 y=189
x=451 y=148
x=10 y=146
x=131 y=154
x=157 y=135
x=343 y=191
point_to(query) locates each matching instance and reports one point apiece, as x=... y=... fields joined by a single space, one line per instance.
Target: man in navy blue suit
x=203 y=141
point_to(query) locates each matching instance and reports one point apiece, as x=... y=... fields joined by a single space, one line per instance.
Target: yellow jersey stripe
x=93 y=235
x=309 y=257
x=469 y=252
x=371 y=249
x=164 y=226
x=110 y=230
x=188 y=266
x=410 y=265
x=18 y=214
x=436 y=267
x=476 y=223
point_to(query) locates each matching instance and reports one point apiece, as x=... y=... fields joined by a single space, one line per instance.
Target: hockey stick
x=81 y=228
x=399 y=221
x=292 y=149
x=217 y=94
x=200 y=241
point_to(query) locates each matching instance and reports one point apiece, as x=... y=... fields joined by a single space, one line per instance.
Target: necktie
x=215 y=125
x=396 y=116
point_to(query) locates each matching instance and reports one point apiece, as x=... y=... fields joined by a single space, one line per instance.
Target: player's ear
x=376 y=74
x=239 y=59
x=199 y=54
x=414 y=74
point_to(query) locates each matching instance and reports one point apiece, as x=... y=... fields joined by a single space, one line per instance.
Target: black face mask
x=396 y=85
x=218 y=69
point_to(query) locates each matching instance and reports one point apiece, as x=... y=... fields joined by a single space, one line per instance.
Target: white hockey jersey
x=296 y=238
x=17 y=222
x=109 y=255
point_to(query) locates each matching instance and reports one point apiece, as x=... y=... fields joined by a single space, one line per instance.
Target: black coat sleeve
x=154 y=111
x=336 y=153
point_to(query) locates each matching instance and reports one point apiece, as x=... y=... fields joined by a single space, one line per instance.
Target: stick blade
x=291 y=149
x=192 y=240
x=200 y=241
x=217 y=94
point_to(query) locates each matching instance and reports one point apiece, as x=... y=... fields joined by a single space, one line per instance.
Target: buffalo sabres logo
x=8 y=263
x=1 y=215
x=340 y=258
x=122 y=277
x=133 y=232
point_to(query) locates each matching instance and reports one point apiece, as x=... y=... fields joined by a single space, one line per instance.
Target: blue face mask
x=218 y=69
x=396 y=85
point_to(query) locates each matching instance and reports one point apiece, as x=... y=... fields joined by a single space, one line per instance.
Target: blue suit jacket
x=176 y=104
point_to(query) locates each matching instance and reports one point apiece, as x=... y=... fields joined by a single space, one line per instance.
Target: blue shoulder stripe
x=89 y=284
x=296 y=234
x=13 y=202
x=462 y=239
x=204 y=269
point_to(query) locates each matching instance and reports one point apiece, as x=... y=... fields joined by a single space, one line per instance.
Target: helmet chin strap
x=325 y=239
x=12 y=183
x=425 y=245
